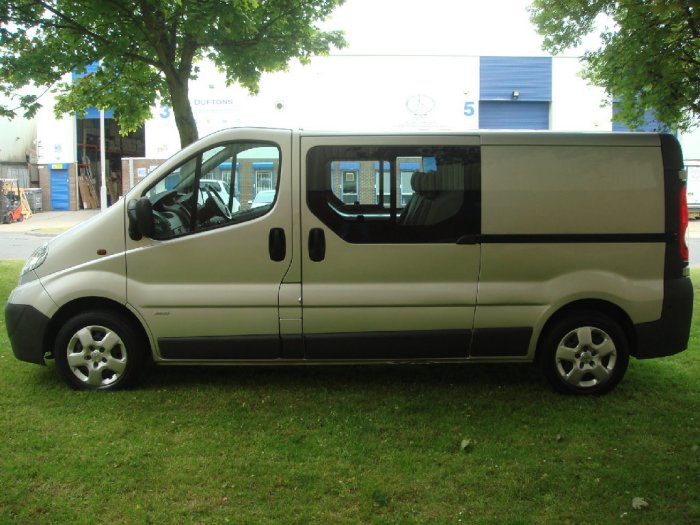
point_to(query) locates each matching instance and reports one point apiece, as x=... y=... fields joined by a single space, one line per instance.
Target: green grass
x=350 y=445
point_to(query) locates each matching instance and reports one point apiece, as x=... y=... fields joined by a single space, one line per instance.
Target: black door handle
x=317 y=245
x=277 y=243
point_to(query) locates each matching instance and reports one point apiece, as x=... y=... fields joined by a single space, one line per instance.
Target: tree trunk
x=182 y=110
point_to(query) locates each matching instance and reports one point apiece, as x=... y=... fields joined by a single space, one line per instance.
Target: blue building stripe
x=650 y=123
x=531 y=77
x=92 y=113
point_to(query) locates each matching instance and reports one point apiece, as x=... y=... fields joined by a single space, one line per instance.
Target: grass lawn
x=412 y=444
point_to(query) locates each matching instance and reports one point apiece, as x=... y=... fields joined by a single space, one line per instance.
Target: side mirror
x=141 y=223
x=134 y=232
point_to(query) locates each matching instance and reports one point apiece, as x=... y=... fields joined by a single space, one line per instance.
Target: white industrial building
x=339 y=92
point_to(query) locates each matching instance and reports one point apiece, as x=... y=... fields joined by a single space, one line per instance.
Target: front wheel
x=584 y=353
x=98 y=351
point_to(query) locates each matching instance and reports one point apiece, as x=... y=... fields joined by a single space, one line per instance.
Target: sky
x=436 y=27
x=440 y=27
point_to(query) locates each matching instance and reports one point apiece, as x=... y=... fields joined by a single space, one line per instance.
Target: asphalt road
x=19 y=239
x=19 y=245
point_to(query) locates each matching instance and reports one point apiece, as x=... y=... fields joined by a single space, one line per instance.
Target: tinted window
x=395 y=194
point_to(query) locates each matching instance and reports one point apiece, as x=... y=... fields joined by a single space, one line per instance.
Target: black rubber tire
x=116 y=364
x=580 y=365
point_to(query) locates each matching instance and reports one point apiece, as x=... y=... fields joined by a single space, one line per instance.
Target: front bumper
x=26 y=328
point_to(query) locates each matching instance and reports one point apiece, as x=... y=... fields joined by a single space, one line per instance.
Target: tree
x=147 y=50
x=648 y=61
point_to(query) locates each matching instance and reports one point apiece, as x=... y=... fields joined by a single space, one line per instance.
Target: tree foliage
x=148 y=49
x=648 y=60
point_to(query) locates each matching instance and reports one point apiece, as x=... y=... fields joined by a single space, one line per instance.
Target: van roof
x=494 y=137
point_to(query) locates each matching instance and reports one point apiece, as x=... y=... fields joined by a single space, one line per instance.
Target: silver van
x=566 y=249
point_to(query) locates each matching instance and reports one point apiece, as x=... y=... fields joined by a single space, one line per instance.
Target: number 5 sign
x=469 y=109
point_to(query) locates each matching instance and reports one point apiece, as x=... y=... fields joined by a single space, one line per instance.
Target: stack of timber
x=86 y=183
x=26 y=209
x=87 y=193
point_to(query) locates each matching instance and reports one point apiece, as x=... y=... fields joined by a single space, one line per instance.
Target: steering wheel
x=221 y=206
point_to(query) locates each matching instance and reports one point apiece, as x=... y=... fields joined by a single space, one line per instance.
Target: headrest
x=425 y=184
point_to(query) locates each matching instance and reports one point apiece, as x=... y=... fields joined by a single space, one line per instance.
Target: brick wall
x=141 y=167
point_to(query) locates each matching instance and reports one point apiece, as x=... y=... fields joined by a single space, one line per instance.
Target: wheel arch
x=607 y=308
x=85 y=304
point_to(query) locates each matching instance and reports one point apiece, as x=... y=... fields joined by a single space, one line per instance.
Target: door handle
x=317 y=244
x=277 y=244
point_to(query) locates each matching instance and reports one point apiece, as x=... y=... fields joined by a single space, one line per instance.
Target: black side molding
x=575 y=238
x=251 y=347
x=498 y=342
x=423 y=344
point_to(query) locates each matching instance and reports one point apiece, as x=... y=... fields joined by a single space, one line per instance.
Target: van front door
x=389 y=241
x=207 y=282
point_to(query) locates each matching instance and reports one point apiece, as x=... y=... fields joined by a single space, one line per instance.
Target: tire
x=99 y=351
x=584 y=353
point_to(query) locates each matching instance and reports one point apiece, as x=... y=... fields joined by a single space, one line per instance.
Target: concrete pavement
x=19 y=239
x=49 y=223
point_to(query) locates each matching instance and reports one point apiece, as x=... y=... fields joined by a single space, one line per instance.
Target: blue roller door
x=513 y=115
x=515 y=92
x=60 y=189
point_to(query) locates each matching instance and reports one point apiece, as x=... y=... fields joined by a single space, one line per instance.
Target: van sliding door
x=389 y=255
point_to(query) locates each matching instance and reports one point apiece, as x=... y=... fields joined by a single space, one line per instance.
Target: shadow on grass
x=351 y=376
x=667 y=377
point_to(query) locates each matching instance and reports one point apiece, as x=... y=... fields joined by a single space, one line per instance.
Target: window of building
x=349 y=185
x=416 y=194
x=264 y=180
x=405 y=188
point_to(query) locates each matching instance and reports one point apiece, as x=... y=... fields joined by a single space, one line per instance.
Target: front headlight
x=36 y=259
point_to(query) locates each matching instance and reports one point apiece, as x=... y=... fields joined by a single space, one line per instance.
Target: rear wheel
x=99 y=351
x=584 y=353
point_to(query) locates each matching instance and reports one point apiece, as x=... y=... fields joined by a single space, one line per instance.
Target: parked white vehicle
x=565 y=249
x=263 y=198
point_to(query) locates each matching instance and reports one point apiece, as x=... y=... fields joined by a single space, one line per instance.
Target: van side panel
x=523 y=285
x=563 y=223
x=551 y=189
